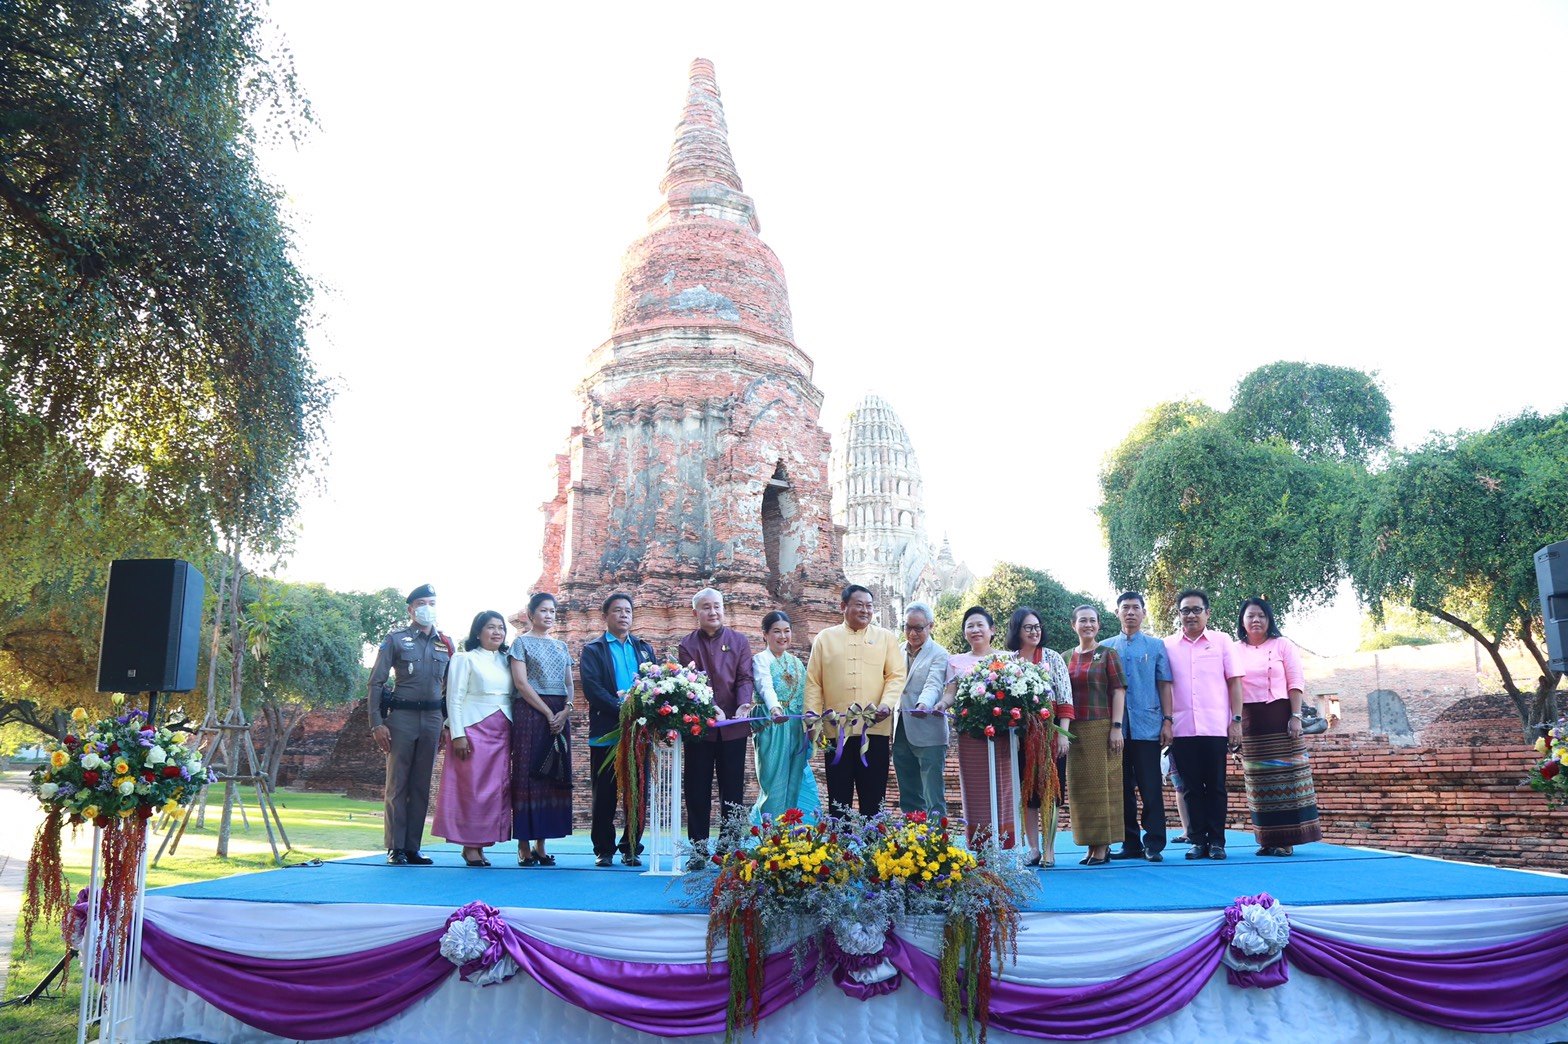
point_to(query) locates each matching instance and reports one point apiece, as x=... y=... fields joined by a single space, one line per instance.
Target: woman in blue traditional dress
x=542 y=674
x=784 y=774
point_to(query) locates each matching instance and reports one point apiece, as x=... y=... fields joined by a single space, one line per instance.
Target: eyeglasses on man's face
x=1192 y=610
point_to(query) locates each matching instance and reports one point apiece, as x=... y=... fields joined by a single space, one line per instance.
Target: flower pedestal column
x=664 y=812
x=111 y=944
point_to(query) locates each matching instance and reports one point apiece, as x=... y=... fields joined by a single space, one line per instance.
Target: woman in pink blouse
x=1274 y=755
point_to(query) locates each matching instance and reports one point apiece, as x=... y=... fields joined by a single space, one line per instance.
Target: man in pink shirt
x=1205 y=692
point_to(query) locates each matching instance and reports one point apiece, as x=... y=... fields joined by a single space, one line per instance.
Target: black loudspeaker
x=1551 y=575
x=151 y=626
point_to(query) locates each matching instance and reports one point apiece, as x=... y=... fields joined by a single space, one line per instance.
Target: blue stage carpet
x=1317 y=874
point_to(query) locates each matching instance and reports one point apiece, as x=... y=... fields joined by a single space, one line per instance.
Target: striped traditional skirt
x=974 y=788
x=1280 y=796
x=1094 y=784
x=474 y=804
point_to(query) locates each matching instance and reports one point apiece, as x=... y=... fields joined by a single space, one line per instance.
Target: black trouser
x=1141 y=778
x=1200 y=762
x=850 y=778
x=604 y=799
x=701 y=760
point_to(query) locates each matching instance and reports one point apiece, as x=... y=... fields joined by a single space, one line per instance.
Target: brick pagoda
x=699 y=460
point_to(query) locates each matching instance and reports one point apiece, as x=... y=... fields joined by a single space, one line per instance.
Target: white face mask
x=425 y=616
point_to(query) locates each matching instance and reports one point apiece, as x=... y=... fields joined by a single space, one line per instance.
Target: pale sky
x=1021 y=228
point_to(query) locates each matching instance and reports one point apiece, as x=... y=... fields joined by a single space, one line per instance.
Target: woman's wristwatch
x=1116 y=724
x=1235 y=719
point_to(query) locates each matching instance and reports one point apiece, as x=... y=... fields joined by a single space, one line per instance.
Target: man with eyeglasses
x=1205 y=692
x=920 y=734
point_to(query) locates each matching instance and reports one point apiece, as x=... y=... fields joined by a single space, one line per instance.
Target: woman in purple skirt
x=542 y=673
x=474 y=806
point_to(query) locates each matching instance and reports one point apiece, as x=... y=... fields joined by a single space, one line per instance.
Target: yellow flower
x=58 y=759
x=1541 y=745
x=121 y=766
x=171 y=806
x=125 y=813
x=90 y=812
x=78 y=715
x=118 y=699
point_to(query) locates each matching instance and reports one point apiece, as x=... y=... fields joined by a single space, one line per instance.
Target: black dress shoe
x=1128 y=853
x=1155 y=857
x=631 y=860
x=603 y=860
x=415 y=859
x=1216 y=851
x=1198 y=852
x=395 y=857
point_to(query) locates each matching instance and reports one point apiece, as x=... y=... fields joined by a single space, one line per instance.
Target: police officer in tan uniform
x=406 y=722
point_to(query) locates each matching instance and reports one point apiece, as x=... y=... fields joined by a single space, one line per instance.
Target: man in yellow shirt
x=856 y=663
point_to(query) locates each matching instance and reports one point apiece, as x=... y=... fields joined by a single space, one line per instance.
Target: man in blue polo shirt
x=608 y=668
x=1147 y=729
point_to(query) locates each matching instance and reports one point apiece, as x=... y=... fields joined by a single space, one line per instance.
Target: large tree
x=1451 y=529
x=155 y=387
x=1249 y=502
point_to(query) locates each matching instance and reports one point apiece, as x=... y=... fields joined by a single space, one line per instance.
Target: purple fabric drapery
x=1507 y=988
x=322 y=997
x=1100 y=1009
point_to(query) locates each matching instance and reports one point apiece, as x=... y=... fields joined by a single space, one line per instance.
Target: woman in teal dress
x=784 y=774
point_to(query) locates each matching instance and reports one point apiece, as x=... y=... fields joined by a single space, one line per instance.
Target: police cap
x=422 y=591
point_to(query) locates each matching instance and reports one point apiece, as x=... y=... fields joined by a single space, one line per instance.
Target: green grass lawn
x=320 y=826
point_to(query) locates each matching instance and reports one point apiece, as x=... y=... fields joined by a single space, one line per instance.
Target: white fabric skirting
x=1306 y=1007
x=1055 y=949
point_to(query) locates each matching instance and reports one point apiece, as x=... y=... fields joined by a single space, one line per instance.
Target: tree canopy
x=152 y=317
x=1009 y=587
x=1320 y=411
x=1451 y=529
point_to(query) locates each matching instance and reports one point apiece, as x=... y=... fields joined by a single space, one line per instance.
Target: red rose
x=943 y=822
x=70 y=741
x=996 y=695
x=964 y=713
x=756 y=831
x=1045 y=712
x=773 y=864
x=170 y=771
x=90 y=778
x=718 y=858
x=149 y=775
x=996 y=712
x=711 y=723
x=1550 y=769
x=670 y=735
x=666 y=709
x=990 y=730
x=916 y=817
x=688 y=718
x=696 y=730
x=114 y=748
x=822 y=870
x=1016 y=714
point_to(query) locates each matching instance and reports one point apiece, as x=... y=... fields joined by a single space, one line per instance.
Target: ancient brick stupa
x=699 y=460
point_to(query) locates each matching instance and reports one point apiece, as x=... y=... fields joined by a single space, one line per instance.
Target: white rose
x=156 y=755
x=48 y=790
x=127 y=787
x=642 y=721
x=92 y=761
x=195 y=764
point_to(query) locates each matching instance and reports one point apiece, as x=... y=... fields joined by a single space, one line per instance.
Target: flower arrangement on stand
x=115 y=774
x=1549 y=774
x=1256 y=932
x=772 y=879
x=666 y=703
x=976 y=894
x=1003 y=693
x=838 y=886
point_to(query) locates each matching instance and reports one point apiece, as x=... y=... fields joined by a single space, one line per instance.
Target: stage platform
x=1377 y=940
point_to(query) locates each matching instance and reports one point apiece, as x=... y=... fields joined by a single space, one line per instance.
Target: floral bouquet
x=1003 y=692
x=977 y=895
x=773 y=881
x=666 y=703
x=1256 y=932
x=1549 y=775
x=114 y=773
